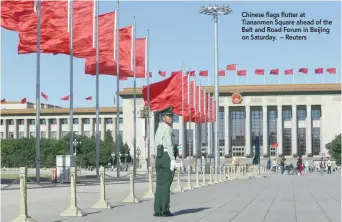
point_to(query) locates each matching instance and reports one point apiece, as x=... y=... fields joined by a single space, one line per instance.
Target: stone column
x=92 y=127
x=294 y=129
x=48 y=128
x=226 y=130
x=103 y=128
x=308 y=130
x=248 y=131
x=279 y=130
x=58 y=121
x=16 y=129
x=80 y=126
x=265 y=144
x=5 y=129
x=26 y=128
x=321 y=139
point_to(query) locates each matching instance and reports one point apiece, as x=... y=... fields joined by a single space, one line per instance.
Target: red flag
x=214 y=110
x=259 y=72
x=44 y=96
x=89 y=98
x=189 y=109
x=150 y=74
x=274 y=72
x=203 y=73
x=23 y=100
x=222 y=72
x=288 y=71
x=231 y=67
x=319 y=71
x=165 y=93
x=65 y=98
x=162 y=73
x=242 y=72
x=331 y=70
x=275 y=145
x=3 y=100
x=54 y=33
x=140 y=57
x=303 y=70
x=15 y=12
x=190 y=73
x=107 y=64
x=123 y=78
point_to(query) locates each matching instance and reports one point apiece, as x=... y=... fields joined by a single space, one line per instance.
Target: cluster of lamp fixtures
x=215 y=10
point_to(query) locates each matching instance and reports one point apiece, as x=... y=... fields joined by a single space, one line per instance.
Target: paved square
x=277 y=198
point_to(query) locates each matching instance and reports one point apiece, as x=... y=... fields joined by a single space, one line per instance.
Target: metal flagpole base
x=149 y=195
x=73 y=211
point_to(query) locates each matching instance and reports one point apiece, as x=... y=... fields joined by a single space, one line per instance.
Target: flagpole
x=38 y=94
x=195 y=125
x=134 y=104
x=189 y=111
x=71 y=57
x=205 y=121
x=148 y=97
x=183 y=136
x=97 y=91
x=200 y=121
x=117 y=56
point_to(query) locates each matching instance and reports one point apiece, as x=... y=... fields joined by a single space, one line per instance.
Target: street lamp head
x=215 y=10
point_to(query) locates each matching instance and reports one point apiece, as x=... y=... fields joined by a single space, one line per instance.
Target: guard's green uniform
x=164 y=174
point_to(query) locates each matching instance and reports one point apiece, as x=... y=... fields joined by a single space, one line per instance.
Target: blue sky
x=179 y=33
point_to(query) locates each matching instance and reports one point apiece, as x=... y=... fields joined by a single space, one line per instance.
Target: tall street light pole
x=215 y=11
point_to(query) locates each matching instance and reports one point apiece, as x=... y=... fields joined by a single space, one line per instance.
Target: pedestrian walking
x=299 y=165
x=165 y=164
x=329 y=166
x=322 y=166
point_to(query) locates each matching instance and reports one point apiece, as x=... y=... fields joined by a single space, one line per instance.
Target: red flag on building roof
x=44 y=96
x=303 y=70
x=331 y=70
x=65 y=98
x=3 y=100
x=162 y=73
x=89 y=98
x=150 y=74
x=274 y=72
x=288 y=71
x=23 y=101
x=259 y=72
x=203 y=73
x=222 y=72
x=319 y=71
x=190 y=73
x=242 y=72
x=231 y=67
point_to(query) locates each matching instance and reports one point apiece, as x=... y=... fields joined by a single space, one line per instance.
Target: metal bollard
x=73 y=210
x=150 y=193
x=179 y=187
x=220 y=174
x=102 y=203
x=23 y=214
x=197 y=185
x=204 y=182
x=131 y=198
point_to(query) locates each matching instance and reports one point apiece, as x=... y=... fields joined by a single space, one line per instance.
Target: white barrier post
x=179 y=187
x=131 y=197
x=102 y=203
x=23 y=214
x=204 y=182
x=150 y=193
x=220 y=174
x=197 y=185
x=189 y=186
x=211 y=169
x=73 y=210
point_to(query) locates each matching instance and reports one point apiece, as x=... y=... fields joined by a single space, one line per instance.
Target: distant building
x=292 y=119
x=18 y=120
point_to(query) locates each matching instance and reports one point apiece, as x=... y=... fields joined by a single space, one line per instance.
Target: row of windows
x=301 y=114
x=62 y=121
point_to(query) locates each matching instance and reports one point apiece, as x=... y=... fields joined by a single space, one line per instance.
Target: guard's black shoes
x=157 y=214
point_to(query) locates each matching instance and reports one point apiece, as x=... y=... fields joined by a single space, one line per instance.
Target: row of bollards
x=226 y=173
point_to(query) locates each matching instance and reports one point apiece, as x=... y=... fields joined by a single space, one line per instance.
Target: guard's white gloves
x=173 y=165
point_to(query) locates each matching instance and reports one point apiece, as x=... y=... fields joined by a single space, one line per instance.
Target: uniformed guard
x=165 y=164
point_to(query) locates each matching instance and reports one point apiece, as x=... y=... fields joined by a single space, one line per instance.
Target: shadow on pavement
x=190 y=211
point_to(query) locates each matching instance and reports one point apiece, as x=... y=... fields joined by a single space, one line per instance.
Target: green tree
x=334 y=148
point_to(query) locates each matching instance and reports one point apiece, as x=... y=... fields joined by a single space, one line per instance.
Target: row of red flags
x=45 y=96
x=20 y=16
x=167 y=93
x=243 y=72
